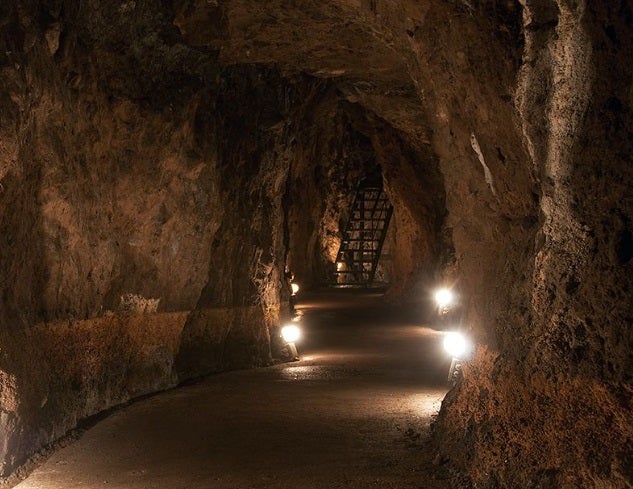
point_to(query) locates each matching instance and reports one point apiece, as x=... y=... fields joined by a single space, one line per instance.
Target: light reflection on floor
x=427 y=403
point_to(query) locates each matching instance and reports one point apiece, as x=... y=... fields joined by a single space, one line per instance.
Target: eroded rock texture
x=162 y=163
x=551 y=404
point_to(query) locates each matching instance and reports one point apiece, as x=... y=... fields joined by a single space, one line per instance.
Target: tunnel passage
x=322 y=183
x=361 y=257
x=162 y=162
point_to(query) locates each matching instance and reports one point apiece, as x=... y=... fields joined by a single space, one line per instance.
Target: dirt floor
x=353 y=413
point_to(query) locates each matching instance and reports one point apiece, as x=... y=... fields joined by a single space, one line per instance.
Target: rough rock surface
x=161 y=163
x=549 y=403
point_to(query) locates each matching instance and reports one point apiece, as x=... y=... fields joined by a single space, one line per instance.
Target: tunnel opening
x=362 y=149
x=360 y=253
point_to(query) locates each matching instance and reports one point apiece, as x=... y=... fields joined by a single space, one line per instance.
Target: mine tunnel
x=165 y=165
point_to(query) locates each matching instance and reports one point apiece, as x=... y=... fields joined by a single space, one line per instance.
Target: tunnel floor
x=354 y=412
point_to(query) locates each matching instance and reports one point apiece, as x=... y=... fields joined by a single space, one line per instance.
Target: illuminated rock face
x=160 y=165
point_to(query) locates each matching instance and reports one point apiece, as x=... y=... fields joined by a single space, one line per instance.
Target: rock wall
x=415 y=188
x=55 y=374
x=546 y=400
x=141 y=213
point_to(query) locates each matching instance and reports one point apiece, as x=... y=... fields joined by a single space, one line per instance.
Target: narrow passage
x=353 y=413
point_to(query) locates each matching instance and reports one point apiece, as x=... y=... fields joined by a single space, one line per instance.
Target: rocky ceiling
x=367 y=49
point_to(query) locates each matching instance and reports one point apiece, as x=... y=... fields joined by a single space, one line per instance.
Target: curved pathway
x=353 y=413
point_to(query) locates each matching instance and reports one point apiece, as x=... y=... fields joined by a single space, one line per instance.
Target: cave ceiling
x=345 y=42
x=168 y=50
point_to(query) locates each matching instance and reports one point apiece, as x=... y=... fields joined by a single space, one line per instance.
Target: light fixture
x=294 y=288
x=456 y=344
x=290 y=333
x=444 y=298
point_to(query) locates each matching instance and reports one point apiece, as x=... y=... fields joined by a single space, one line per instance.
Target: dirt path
x=353 y=413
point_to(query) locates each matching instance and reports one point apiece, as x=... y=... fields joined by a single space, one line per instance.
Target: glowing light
x=455 y=344
x=339 y=266
x=444 y=297
x=295 y=288
x=290 y=333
